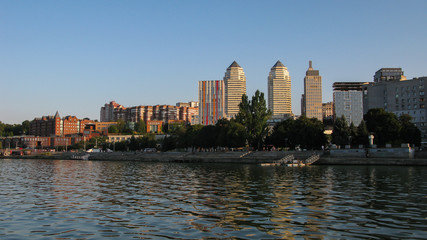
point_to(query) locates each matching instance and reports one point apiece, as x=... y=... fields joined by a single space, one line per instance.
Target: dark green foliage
x=409 y=133
x=253 y=115
x=384 y=125
x=230 y=133
x=362 y=135
x=341 y=132
x=207 y=137
x=9 y=130
x=304 y=132
x=141 y=127
x=169 y=143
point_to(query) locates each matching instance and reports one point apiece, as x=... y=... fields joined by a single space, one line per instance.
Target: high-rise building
x=279 y=91
x=235 y=87
x=107 y=111
x=312 y=94
x=211 y=101
x=348 y=101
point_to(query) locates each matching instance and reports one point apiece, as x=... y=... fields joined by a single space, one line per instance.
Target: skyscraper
x=279 y=91
x=211 y=101
x=235 y=87
x=312 y=93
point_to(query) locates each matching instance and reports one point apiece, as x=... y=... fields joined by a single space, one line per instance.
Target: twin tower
x=221 y=98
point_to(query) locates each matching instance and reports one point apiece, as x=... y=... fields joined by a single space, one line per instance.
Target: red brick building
x=48 y=126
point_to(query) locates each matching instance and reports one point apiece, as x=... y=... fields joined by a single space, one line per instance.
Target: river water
x=47 y=199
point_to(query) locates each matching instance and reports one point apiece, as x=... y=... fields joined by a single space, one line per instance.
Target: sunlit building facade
x=234 y=88
x=279 y=91
x=312 y=99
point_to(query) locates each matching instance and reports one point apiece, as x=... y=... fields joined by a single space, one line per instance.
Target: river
x=65 y=199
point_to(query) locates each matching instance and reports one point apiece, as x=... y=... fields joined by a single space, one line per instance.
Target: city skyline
x=148 y=53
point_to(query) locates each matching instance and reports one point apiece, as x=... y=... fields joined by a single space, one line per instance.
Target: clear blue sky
x=75 y=56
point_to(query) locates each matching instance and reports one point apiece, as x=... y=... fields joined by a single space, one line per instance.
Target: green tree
x=254 y=115
x=26 y=126
x=113 y=129
x=141 y=127
x=236 y=135
x=341 y=132
x=207 y=137
x=169 y=143
x=409 y=133
x=304 y=132
x=362 y=136
x=191 y=136
x=230 y=133
x=384 y=125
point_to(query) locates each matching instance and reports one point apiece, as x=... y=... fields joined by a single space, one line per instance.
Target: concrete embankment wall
x=215 y=157
x=402 y=153
x=371 y=161
x=236 y=157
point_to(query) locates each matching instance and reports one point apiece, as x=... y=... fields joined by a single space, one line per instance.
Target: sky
x=75 y=56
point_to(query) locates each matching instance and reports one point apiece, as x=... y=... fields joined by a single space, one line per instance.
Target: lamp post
x=371 y=140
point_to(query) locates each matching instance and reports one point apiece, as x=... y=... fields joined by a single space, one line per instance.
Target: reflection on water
x=92 y=200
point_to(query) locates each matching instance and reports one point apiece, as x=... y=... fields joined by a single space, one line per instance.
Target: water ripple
x=132 y=200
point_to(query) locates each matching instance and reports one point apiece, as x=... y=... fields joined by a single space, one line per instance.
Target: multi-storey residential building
x=327 y=111
x=55 y=126
x=399 y=96
x=188 y=104
x=279 y=91
x=211 y=100
x=107 y=111
x=348 y=101
x=150 y=113
x=46 y=126
x=312 y=99
x=234 y=88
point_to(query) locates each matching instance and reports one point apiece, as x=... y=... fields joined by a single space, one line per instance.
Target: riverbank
x=228 y=157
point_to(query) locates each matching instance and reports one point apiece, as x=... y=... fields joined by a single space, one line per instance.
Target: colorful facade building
x=211 y=101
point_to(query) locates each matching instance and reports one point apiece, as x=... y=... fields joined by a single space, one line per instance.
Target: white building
x=348 y=101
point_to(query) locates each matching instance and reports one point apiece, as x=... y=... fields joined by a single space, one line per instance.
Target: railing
x=313 y=158
x=286 y=159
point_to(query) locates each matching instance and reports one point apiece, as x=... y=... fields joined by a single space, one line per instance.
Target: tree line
x=10 y=130
x=386 y=128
